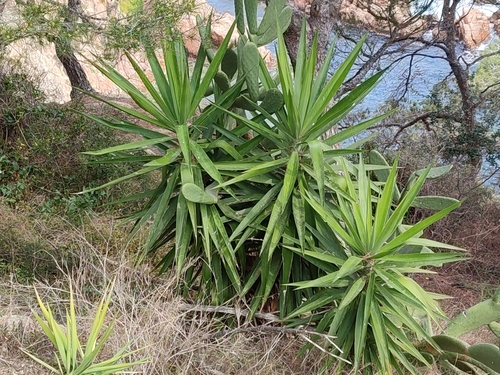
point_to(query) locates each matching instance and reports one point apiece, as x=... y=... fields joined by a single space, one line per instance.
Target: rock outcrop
x=474 y=28
x=373 y=14
x=302 y=4
x=474 y=25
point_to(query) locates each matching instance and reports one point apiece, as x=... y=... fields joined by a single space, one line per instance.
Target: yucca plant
x=72 y=357
x=295 y=158
x=185 y=156
x=226 y=203
x=366 y=296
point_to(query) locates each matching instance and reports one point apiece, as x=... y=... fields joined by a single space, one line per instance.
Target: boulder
x=473 y=28
x=221 y=23
x=41 y=63
x=188 y=28
x=374 y=13
x=351 y=12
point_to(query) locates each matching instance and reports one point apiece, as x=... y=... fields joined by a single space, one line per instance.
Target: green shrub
x=40 y=149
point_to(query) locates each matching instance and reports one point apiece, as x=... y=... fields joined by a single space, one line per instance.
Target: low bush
x=40 y=150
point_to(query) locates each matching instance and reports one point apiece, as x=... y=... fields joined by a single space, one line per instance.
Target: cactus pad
x=495 y=328
x=222 y=80
x=229 y=64
x=242 y=102
x=250 y=64
x=382 y=174
x=273 y=101
x=194 y=193
x=433 y=202
x=378 y=159
x=240 y=15
x=271 y=33
x=273 y=9
x=209 y=91
x=210 y=54
x=478 y=315
x=251 y=13
x=488 y=354
x=451 y=344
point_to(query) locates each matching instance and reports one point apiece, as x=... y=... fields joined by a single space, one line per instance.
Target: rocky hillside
x=41 y=61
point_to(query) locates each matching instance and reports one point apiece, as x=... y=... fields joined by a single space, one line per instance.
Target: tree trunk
x=321 y=17
x=76 y=74
x=65 y=53
x=461 y=75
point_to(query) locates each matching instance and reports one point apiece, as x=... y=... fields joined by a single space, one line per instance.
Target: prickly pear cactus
x=277 y=17
x=382 y=174
x=251 y=13
x=268 y=34
x=458 y=355
x=495 y=328
x=229 y=64
x=194 y=193
x=488 y=354
x=239 y=13
x=250 y=65
x=273 y=10
x=451 y=344
x=433 y=202
x=477 y=316
x=222 y=80
x=242 y=102
x=273 y=101
x=209 y=91
x=245 y=59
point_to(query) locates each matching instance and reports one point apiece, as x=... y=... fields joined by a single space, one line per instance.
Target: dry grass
x=146 y=311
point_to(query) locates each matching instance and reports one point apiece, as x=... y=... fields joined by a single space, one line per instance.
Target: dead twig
x=229 y=310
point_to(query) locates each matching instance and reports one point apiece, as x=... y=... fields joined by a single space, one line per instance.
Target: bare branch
x=424 y=118
x=485 y=56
